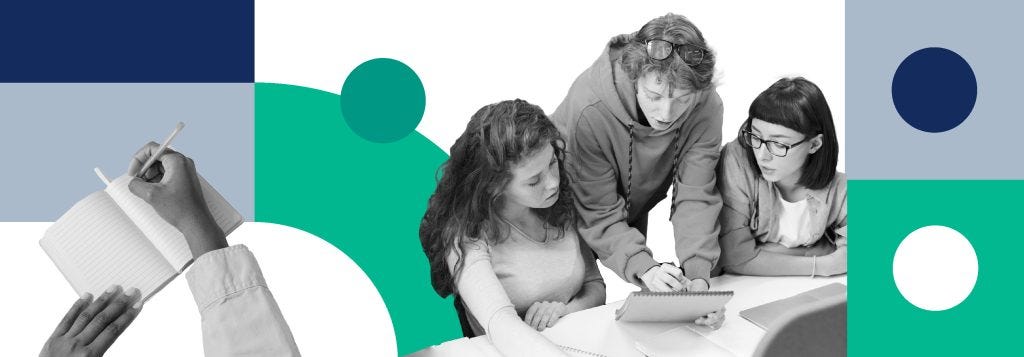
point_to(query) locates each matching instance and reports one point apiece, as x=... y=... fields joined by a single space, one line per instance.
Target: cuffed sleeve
x=239 y=315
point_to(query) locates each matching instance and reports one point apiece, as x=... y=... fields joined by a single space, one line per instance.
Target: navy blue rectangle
x=127 y=41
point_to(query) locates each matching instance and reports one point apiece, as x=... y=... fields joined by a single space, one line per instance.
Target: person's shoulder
x=734 y=153
x=579 y=105
x=838 y=185
x=734 y=168
x=711 y=96
x=473 y=243
x=468 y=250
x=709 y=112
x=711 y=101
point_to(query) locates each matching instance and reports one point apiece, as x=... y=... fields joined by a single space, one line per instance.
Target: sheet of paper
x=167 y=239
x=96 y=245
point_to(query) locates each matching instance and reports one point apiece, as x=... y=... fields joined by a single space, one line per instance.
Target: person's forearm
x=591 y=294
x=513 y=337
x=622 y=248
x=768 y=263
x=202 y=234
x=838 y=259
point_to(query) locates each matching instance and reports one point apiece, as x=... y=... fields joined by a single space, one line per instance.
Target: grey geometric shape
x=53 y=135
x=879 y=35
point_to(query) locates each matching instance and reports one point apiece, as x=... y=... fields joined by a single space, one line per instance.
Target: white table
x=595 y=330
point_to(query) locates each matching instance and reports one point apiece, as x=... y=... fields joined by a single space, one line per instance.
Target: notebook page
x=226 y=216
x=95 y=245
x=670 y=306
x=167 y=239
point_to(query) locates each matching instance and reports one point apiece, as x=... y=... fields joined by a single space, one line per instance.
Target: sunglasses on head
x=692 y=55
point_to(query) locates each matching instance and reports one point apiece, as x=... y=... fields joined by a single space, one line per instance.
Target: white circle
x=935 y=268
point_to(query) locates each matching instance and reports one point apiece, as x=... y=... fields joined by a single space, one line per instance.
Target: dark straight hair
x=798 y=104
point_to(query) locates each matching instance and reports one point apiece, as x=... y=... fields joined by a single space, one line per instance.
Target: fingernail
x=131 y=292
x=113 y=289
x=87 y=296
x=138 y=305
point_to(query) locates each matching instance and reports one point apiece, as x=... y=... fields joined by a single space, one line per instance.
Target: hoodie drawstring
x=675 y=167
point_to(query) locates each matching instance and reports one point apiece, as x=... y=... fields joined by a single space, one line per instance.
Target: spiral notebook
x=578 y=352
x=682 y=306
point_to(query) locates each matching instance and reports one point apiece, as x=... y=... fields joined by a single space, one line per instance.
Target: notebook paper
x=95 y=245
x=167 y=239
x=115 y=237
x=645 y=306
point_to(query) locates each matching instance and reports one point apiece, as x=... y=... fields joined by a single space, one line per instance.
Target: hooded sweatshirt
x=594 y=119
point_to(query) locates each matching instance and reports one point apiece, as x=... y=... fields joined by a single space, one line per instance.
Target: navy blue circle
x=934 y=89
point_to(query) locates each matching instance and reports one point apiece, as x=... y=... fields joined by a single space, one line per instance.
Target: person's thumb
x=142 y=189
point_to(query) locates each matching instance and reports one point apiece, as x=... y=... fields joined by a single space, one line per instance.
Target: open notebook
x=646 y=306
x=114 y=237
x=764 y=315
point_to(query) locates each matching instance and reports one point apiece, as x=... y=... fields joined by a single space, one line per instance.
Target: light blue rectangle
x=53 y=135
x=987 y=145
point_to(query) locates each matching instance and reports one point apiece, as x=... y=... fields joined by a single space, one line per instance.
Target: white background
x=469 y=54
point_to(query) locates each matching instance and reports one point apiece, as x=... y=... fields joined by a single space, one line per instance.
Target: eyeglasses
x=774 y=147
x=692 y=55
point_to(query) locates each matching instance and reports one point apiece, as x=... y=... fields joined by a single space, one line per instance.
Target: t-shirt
x=793 y=224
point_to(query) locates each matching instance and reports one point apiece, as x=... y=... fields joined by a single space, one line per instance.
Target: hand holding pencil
x=171 y=185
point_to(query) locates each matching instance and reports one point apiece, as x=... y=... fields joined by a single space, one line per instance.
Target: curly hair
x=678 y=30
x=464 y=207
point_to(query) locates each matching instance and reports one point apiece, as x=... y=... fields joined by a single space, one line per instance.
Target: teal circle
x=382 y=100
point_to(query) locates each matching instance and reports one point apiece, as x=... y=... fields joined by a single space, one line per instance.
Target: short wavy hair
x=676 y=29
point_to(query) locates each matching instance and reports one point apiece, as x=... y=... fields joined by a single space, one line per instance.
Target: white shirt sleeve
x=239 y=315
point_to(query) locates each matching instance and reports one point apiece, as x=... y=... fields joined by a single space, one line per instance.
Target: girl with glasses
x=785 y=203
x=500 y=231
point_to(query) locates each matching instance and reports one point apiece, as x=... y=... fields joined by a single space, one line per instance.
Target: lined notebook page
x=96 y=245
x=167 y=239
x=227 y=217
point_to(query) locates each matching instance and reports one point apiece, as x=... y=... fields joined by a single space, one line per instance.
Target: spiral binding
x=680 y=293
x=580 y=352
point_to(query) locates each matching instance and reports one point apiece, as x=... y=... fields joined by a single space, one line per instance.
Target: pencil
x=160 y=150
